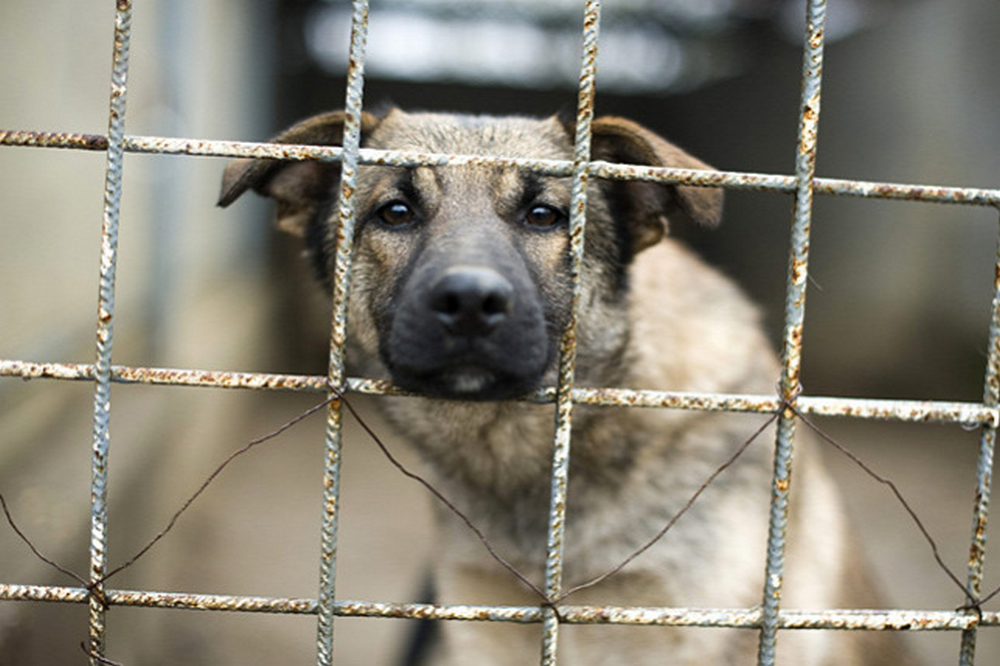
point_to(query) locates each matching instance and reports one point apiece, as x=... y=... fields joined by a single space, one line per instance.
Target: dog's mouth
x=466 y=382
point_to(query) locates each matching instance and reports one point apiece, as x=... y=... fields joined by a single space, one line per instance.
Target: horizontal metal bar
x=728 y=179
x=868 y=620
x=842 y=619
x=216 y=602
x=192 y=378
x=911 y=411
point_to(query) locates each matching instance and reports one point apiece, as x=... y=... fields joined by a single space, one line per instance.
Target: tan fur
x=675 y=324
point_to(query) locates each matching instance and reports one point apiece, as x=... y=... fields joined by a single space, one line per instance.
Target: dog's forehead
x=501 y=136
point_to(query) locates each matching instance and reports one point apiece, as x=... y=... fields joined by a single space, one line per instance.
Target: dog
x=461 y=291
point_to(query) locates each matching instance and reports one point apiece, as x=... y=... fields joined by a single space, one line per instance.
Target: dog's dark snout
x=471 y=301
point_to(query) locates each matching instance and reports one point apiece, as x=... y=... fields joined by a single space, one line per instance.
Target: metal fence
x=768 y=619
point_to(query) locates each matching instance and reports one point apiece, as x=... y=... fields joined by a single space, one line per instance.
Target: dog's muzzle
x=468 y=332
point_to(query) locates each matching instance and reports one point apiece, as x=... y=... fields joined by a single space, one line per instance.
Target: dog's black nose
x=471 y=301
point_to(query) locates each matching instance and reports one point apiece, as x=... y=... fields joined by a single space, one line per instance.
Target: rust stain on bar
x=53 y=140
x=749 y=618
x=860 y=408
x=599 y=169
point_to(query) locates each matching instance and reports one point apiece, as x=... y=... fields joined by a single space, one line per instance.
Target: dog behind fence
x=789 y=407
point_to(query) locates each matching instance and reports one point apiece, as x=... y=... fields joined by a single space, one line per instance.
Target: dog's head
x=461 y=273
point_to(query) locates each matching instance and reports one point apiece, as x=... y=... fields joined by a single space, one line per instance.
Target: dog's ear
x=297 y=186
x=646 y=206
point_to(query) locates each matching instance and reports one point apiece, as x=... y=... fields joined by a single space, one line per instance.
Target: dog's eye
x=543 y=216
x=396 y=214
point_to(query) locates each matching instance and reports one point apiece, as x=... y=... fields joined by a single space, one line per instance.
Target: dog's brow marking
x=418 y=186
x=425 y=181
x=531 y=188
x=403 y=183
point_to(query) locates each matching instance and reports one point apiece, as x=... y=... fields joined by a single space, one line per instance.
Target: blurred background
x=899 y=302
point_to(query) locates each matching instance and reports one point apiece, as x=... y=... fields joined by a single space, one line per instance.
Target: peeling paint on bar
x=838 y=619
x=984 y=469
x=599 y=169
x=555 y=544
x=792 y=345
x=912 y=411
x=343 y=220
x=101 y=441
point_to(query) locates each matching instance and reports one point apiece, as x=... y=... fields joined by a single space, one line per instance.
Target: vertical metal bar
x=984 y=473
x=567 y=361
x=105 y=327
x=338 y=333
x=805 y=169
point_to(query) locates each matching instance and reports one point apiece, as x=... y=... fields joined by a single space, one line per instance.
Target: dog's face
x=464 y=264
x=461 y=273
